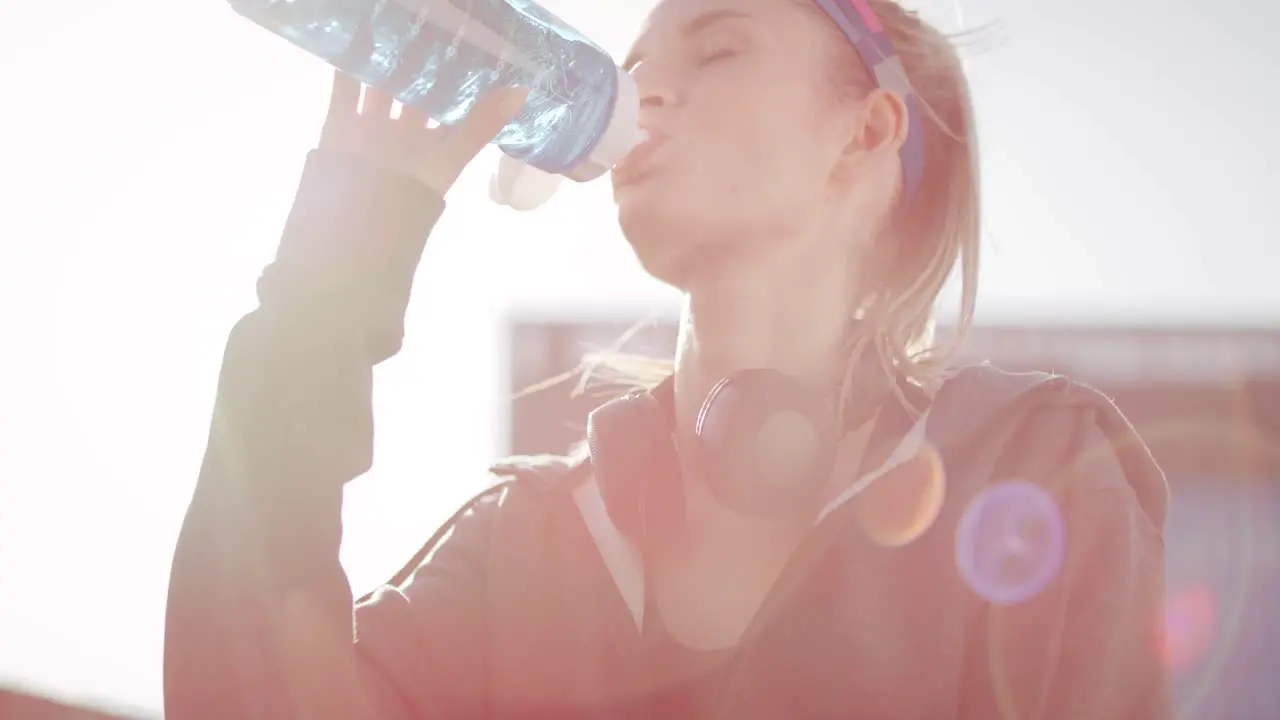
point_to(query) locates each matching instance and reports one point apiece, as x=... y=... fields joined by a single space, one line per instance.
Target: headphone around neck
x=765 y=444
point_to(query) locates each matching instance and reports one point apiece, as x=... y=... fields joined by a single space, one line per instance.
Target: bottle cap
x=521 y=186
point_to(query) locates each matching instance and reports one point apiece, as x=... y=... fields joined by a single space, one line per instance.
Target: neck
x=793 y=321
x=760 y=316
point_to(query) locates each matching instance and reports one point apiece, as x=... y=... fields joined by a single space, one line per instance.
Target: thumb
x=492 y=112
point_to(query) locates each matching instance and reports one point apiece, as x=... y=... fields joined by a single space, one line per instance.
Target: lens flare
x=1011 y=542
x=901 y=506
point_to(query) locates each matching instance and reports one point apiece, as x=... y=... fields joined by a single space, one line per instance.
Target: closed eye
x=694 y=29
x=718 y=55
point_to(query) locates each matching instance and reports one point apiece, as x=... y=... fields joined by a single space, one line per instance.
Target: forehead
x=670 y=17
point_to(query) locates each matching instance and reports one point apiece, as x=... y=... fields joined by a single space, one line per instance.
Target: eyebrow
x=695 y=26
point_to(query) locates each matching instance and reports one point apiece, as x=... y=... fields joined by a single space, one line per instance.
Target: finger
x=492 y=112
x=377 y=104
x=344 y=98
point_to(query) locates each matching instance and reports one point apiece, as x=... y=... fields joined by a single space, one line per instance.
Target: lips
x=639 y=161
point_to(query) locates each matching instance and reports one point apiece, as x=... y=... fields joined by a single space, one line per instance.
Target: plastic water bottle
x=581 y=117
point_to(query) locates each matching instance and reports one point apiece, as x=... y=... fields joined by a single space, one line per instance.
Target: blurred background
x=148 y=156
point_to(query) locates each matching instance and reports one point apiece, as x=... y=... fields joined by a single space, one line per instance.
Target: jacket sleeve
x=1088 y=645
x=259 y=622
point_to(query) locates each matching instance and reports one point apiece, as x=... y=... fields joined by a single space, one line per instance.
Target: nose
x=654 y=94
x=656 y=99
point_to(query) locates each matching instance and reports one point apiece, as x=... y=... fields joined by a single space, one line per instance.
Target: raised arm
x=259 y=620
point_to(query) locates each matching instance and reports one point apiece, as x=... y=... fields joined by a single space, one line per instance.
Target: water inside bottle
x=442 y=55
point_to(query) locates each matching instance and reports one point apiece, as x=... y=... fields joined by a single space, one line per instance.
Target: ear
x=875 y=130
x=881 y=126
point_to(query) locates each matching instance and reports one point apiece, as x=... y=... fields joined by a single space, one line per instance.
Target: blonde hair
x=942 y=223
x=895 y=315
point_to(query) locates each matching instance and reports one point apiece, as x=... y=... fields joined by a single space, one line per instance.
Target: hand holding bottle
x=434 y=155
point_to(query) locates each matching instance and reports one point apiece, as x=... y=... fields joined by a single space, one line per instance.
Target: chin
x=653 y=231
x=670 y=238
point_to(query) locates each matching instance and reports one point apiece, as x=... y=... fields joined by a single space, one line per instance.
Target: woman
x=810 y=181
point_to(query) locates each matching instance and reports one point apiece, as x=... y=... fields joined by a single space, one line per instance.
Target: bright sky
x=148 y=155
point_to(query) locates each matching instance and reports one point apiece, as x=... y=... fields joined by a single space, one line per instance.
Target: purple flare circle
x=1011 y=542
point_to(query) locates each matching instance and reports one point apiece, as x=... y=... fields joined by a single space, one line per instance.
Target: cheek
x=730 y=154
x=759 y=169
x=753 y=141
x=729 y=194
